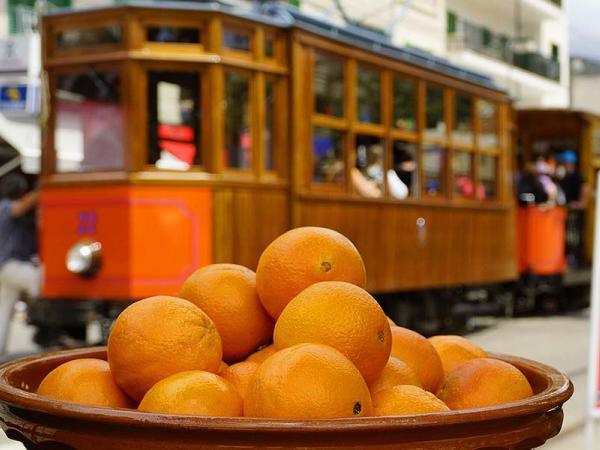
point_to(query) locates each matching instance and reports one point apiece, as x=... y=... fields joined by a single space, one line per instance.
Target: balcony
x=463 y=34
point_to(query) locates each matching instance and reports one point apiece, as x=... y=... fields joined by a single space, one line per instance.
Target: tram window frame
x=441 y=141
x=315 y=53
x=253 y=127
x=238 y=27
x=379 y=122
x=50 y=165
x=417 y=120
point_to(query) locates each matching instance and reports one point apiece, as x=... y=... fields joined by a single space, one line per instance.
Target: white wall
x=585 y=93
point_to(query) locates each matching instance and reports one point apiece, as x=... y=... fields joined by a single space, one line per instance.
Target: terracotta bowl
x=43 y=423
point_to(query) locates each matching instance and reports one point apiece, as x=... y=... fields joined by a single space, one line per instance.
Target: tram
x=183 y=134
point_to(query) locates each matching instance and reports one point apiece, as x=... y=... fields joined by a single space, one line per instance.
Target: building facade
x=585 y=79
x=522 y=44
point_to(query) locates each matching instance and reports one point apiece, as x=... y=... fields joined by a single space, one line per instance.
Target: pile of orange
x=301 y=338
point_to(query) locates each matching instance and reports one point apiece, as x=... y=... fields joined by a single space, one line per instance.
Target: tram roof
x=286 y=16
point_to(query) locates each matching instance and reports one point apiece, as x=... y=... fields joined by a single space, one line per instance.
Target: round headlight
x=84 y=258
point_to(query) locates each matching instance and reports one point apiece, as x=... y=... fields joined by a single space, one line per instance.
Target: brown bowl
x=44 y=423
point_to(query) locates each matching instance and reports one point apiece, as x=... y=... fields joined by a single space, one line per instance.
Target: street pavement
x=560 y=341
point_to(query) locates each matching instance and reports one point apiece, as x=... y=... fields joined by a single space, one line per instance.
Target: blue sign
x=19 y=98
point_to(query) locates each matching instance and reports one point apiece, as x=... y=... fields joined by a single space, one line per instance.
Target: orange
x=394 y=373
x=260 y=355
x=307 y=381
x=87 y=381
x=455 y=350
x=484 y=382
x=239 y=375
x=301 y=257
x=157 y=337
x=343 y=316
x=222 y=367
x=416 y=351
x=406 y=399
x=391 y=322
x=195 y=393
x=227 y=294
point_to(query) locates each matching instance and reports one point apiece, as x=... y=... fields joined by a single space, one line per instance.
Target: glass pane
x=173 y=34
x=487 y=187
x=433 y=169
x=405 y=104
x=238 y=141
x=269 y=105
x=435 y=126
x=368 y=91
x=173 y=120
x=328 y=155
x=488 y=124
x=462 y=170
x=368 y=175
x=403 y=179
x=89 y=122
x=463 y=120
x=329 y=86
x=269 y=46
x=237 y=40
x=596 y=143
x=89 y=37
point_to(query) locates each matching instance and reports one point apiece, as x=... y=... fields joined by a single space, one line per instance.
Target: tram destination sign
x=19 y=97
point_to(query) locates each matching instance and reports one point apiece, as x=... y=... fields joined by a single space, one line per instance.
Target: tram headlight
x=84 y=258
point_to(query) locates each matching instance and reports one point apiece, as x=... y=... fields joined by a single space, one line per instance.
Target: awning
x=22 y=132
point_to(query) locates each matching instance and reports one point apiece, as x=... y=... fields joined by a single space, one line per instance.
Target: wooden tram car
x=179 y=135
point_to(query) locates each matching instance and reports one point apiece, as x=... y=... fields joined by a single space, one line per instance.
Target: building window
x=329 y=85
x=328 y=156
x=88 y=134
x=452 y=22
x=368 y=91
x=22 y=16
x=555 y=53
x=174 y=120
x=238 y=139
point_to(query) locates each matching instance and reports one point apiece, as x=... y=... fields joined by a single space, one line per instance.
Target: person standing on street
x=18 y=244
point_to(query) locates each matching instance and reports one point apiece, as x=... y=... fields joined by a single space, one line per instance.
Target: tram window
x=173 y=120
x=463 y=120
x=329 y=85
x=405 y=104
x=487 y=185
x=369 y=174
x=435 y=125
x=328 y=156
x=89 y=122
x=462 y=170
x=403 y=179
x=173 y=34
x=268 y=132
x=596 y=143
x=488 y=124
x=433 y=169
x=238 y=140
x=236 y=39
x=109 y=35
x=368 y=91
x=269 y=46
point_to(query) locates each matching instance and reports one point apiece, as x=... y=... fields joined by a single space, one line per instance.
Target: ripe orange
x=343 y=316
x=239 y=375
x=455 y=350
x=260 y=355
x=406 y=399
x=391 y=322
x=87 y=381
x=222 y=367
x=301 y=257
x=195 y=393
x=394 y=373
x=307 y=381
x=227 y=294
x=484 y=382
x=158 y=337
x=416 y=351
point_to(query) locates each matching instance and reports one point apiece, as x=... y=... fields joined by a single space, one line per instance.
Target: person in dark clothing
x=18 y=245
x=529 y=187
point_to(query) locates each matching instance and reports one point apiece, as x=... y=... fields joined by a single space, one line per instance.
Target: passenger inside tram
x=402 y=178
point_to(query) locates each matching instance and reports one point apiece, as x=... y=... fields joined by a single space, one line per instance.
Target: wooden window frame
x=408 y=135
x=173 y=47
x=254 y=35
x=53 y=50
x=371 y=127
